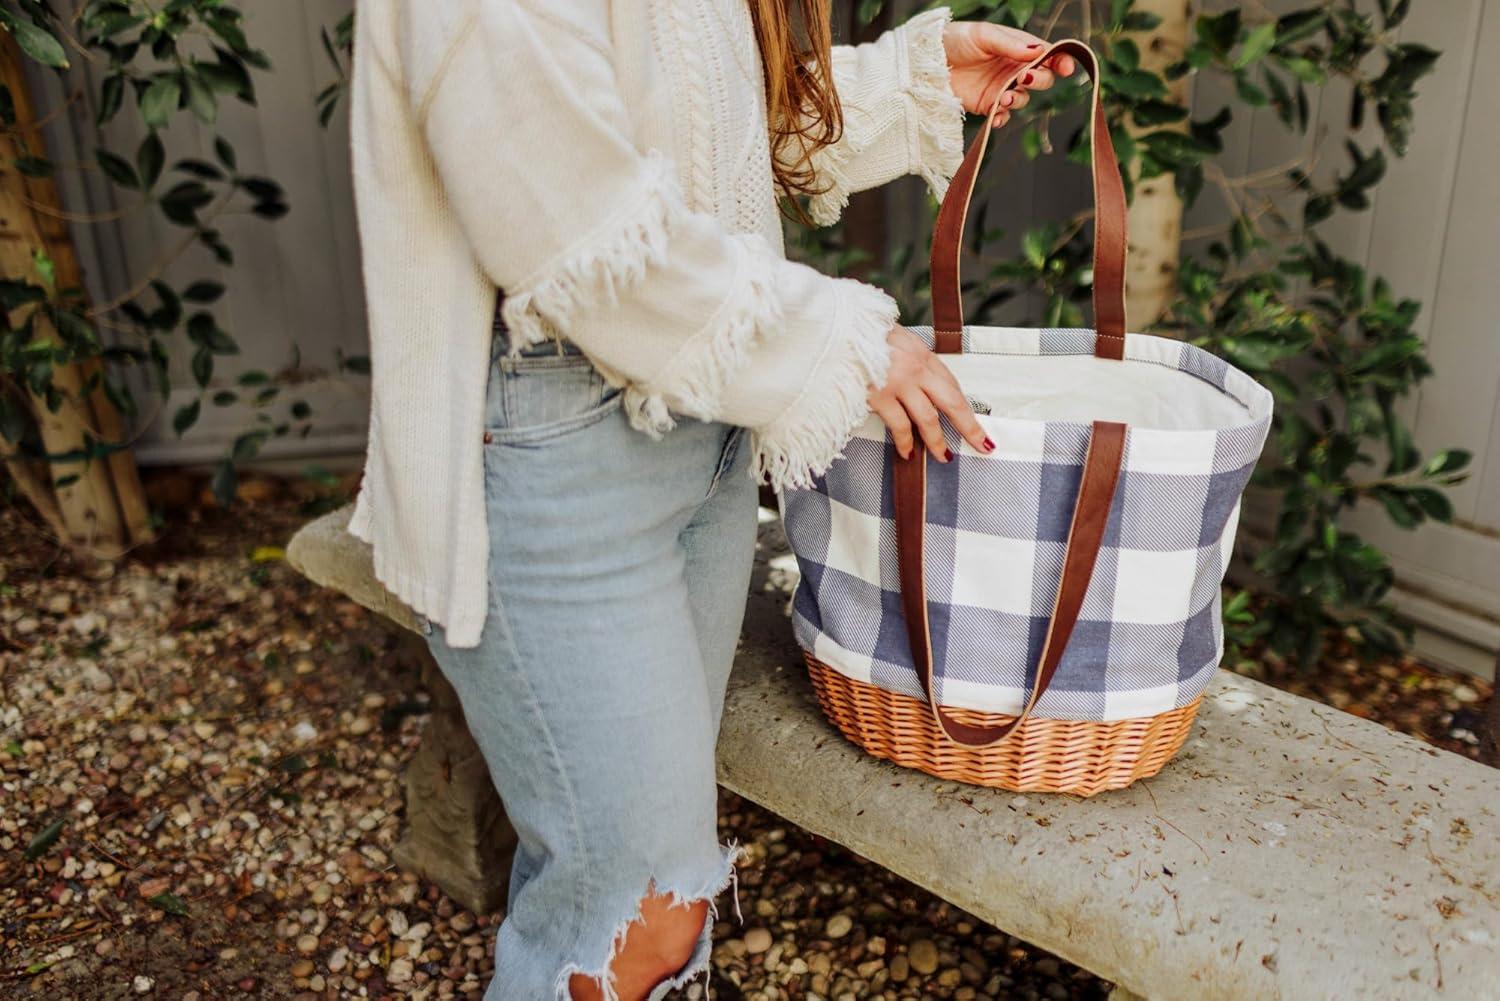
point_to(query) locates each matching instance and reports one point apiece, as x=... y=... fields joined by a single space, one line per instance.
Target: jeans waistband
x=549 y=346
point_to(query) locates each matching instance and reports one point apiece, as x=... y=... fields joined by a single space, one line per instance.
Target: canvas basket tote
x=1046 y=616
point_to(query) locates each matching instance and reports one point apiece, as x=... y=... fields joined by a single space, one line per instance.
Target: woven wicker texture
x=1080 y=757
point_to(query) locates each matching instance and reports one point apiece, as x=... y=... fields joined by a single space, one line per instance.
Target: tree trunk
x=1155 y=218
x=95 y=505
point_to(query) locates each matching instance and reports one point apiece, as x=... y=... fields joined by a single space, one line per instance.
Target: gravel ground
x=200 y=761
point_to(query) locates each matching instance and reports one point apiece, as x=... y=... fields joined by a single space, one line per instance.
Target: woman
x=581 y=573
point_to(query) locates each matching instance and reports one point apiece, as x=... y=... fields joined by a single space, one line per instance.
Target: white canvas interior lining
x=1084 y=388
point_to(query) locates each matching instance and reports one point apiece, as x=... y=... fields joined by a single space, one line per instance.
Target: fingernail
x=1007 y=100
x=989 y=446
x=948 y=455
x=1034 y=45
x=1028 y=78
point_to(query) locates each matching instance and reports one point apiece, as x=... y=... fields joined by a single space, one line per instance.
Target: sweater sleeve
x=900 y=116
x=590 y=238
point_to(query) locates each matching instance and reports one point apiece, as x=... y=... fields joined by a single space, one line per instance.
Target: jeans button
x=489 y=439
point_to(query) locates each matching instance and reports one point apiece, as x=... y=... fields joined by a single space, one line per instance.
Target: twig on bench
x=1177 y=905
x=1432 y=857
x=1146 y=785
x=1333 y=736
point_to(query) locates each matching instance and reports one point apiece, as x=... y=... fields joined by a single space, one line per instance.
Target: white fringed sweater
x=608 y=165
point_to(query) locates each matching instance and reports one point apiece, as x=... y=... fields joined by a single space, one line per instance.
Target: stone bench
x=1290 y=851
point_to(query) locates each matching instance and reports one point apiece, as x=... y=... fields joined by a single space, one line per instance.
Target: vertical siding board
x=1415 y=200
x=1463 y=347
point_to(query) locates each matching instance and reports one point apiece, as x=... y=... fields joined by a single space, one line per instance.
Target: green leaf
x=200 y=99
x=225 y=153
x=1151 y=112
x=182 y=202
x=1262 y=39
x=203 y=291
x=203 y=366
x=37 y=42
x=1219 y=32
x=1035 y=245
x=1250 y=93
x=1300 y=24
x=14 y=294
x=35 y=166
x=1138 y=84
x=202 y=330
x=1434 y=503
x=186 y=417
x=44 y=840
x=1140 y=20
x=117 y=168
x=44 y=268
x=1031 y=141
x=149 y=159
x=111 y=97
x=1176 y=148
x=170 y=903
x=1449 y=460
x=159 y=101
x=199 y=168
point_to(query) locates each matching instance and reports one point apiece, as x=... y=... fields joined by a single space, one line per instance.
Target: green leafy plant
x=1335 y=345
x=158 y=62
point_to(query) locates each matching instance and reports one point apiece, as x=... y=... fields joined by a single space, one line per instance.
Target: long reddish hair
x=796 y=39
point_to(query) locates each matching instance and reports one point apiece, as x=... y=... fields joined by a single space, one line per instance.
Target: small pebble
x=923 y=956
x=757 y=940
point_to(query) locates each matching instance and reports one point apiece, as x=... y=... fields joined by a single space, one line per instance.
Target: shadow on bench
x=1290 y=851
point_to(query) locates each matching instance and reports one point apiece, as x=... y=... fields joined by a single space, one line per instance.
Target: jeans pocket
x=536 y=397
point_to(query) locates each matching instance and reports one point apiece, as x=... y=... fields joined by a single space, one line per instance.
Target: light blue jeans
x=619 y=568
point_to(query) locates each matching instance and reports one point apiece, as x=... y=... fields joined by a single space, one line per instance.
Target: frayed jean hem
x=697 y=964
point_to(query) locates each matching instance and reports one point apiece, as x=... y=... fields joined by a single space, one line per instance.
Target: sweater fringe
x=696 y=377
x=802 y=443
x=604 y=269
x=830 y=166
x=939 y=112
x=936 y=110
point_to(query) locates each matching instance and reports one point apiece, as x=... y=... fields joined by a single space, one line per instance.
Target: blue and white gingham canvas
x=1150 y=633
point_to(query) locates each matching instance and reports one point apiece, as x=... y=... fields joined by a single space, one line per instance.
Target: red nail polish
x=989 y=446
x=1028 y=78
x=1034 y=45
x=948 y=454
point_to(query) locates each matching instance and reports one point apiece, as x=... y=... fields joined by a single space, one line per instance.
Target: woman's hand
x=917 y=389
x=982 y=56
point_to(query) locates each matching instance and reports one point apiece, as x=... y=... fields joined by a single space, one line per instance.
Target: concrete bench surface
x=1289 y=851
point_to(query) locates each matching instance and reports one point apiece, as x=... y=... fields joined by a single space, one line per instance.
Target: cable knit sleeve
x=590 y=237
x=900 y=115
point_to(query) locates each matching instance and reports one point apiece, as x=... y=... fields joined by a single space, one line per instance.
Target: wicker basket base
x=1080 y=757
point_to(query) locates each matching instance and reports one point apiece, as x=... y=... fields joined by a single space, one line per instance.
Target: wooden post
x=1155 y=217
x=1489 y=727
x=97 y=506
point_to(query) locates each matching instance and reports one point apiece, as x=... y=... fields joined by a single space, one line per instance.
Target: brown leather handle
x=1096 y=491
x=1109 y=223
